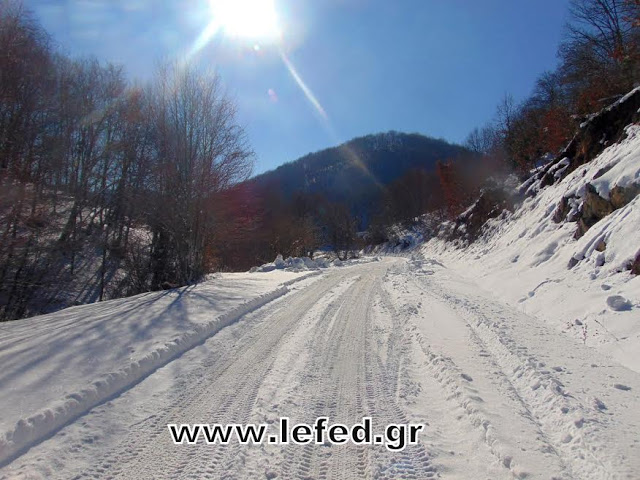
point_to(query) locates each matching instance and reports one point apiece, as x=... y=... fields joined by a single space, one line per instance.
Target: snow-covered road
x=502 y=395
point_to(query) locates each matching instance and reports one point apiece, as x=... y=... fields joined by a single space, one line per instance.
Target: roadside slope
x=570 y=253
x=61 y=365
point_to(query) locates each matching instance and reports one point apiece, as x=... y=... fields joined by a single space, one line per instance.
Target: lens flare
x=246 y=19
x=255 y=19
x=258 y=20
x=203 y=39
x=303 y=86
x=349 y=153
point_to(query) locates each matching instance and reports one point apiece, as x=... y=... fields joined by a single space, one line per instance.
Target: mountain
x=357 y=171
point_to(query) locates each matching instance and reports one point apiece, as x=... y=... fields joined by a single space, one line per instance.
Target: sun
x=253 y=19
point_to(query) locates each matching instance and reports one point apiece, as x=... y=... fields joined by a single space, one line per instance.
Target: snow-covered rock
x=292 y=264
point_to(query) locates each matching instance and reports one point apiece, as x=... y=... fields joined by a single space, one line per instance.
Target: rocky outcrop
x=562 y=210
x=593 y=207
x=601 y=246
x=603 y=129
x=567 y=209
x=595 y=134
x=491 y=203
x=620 y=196
x=584 y=205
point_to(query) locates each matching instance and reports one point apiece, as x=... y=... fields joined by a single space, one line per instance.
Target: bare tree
x=601 y=52
x=506 y=113
x=606 y=26
x=200 y=150
x=340 y=229
x=25 y=59
x=481 y=141
x=91 y=168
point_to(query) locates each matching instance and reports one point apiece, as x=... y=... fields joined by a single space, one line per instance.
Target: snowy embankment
x=304 y=264
x=295 y=264
x=57 y=367
x=585 y=283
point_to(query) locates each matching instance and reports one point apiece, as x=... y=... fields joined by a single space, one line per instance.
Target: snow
x=293 y=264
x=321 y=261
x=528 y=260
x=501 y=394
x=58 y=366
x=494 y=361
x=623 y=168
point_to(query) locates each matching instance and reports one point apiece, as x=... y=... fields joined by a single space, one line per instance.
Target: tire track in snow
x=382 y=391
x=346 y=380
x=459 y=391
x=567 y=427
x=346 y=346
x=226 y=395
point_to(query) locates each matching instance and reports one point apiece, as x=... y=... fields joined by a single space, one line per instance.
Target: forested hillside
x=357 y=172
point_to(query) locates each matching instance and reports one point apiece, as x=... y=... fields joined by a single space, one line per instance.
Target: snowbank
x=295 y=264
x=545 y=264
x=63 y=364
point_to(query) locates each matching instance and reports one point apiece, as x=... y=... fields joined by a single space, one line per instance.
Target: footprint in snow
x=619 y=386
x=599 y=404
x=618 y=303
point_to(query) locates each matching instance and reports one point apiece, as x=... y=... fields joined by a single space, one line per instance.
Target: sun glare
x=254 y=19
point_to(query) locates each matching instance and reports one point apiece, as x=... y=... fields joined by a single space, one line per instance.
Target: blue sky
x=437 y=67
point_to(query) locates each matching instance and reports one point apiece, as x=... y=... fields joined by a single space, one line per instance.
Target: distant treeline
x=344 y=197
